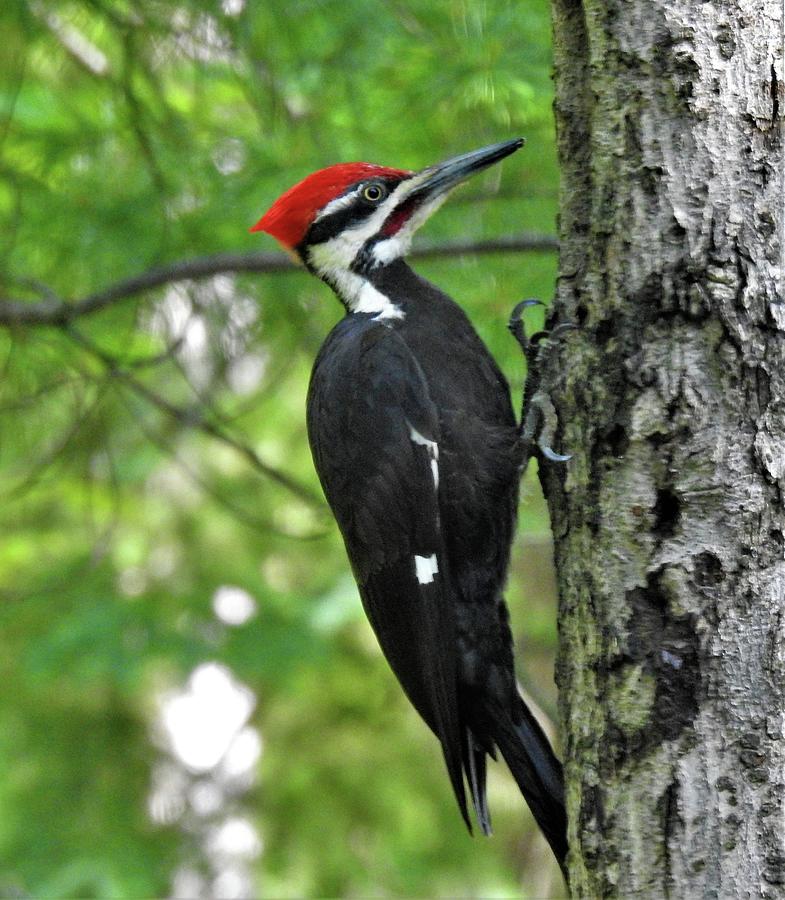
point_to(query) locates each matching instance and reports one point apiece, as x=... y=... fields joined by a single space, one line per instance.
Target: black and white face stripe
x=347 y=241
x=351 y=210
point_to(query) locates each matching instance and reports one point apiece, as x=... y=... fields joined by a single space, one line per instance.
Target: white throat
x=332 y=260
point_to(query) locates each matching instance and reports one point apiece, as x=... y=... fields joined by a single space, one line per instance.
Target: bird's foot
x=531 y=346
x=528 y=345
x=538 y=429
x=538 y=419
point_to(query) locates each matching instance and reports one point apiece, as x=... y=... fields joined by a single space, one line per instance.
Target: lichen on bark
x=669 y=521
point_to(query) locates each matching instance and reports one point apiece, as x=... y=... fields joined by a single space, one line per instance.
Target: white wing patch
x=425 y=567
x=433 y=452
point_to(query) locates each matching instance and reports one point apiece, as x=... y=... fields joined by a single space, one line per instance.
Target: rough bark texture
x=669 y=521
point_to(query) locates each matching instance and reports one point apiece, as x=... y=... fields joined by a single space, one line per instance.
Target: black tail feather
x=474 y=765
x=455 y=769
x=538 y=772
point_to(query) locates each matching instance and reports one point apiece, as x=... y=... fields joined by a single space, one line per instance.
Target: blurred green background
x=191 y=702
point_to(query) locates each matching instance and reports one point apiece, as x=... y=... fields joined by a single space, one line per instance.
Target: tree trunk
x=669 y=520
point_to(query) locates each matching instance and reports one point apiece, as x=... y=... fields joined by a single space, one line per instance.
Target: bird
x=419 y=455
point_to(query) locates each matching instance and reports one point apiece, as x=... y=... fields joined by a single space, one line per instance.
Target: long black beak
x=440 y=178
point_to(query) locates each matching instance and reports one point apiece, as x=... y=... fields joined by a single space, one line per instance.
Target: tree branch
x=195 y=418
x=58 y=312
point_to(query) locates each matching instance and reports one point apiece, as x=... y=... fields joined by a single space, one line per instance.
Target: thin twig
x=192 y=418
x=55 y=451
x=263 y=526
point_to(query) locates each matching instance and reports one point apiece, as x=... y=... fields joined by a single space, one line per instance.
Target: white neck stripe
x=371 y=300
x=359 y=295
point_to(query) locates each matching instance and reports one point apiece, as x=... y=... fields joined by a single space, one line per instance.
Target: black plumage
x=419 y=454
x=448 y=641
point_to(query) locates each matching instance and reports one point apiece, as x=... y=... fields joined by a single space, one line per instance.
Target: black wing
x=374 y=435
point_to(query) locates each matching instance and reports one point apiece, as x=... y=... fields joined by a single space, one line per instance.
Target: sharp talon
x=553 y=456
x=539 y=336
x=514 y=324
x=554 y=333
x=524 y=304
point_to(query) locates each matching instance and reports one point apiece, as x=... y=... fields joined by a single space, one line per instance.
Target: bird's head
x=349 y=219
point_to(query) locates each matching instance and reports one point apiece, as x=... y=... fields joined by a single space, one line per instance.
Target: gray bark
x=669 y=521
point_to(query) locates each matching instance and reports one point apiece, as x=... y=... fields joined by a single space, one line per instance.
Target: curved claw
x=553 y=456
x=553 y=334
x=524 y=304
x=516 y=326
x=539 y=336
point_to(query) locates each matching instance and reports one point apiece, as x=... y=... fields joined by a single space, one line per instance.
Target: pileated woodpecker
x=419 y=454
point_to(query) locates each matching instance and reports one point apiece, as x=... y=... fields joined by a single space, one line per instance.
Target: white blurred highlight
x=233 y=605
x=201 y=721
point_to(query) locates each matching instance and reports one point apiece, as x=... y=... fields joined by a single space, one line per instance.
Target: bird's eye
x=374 y=192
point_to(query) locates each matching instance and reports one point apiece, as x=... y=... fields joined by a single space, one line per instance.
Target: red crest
x=290 y=216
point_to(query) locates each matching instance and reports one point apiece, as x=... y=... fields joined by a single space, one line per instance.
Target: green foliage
x=133 y=442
